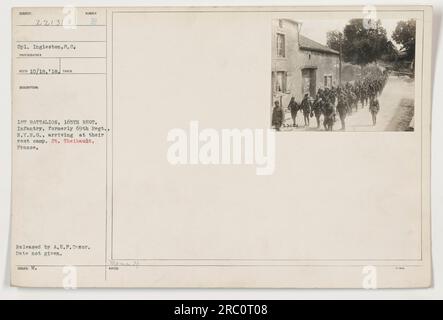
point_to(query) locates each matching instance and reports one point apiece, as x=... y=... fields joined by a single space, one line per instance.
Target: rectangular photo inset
x=343 y=75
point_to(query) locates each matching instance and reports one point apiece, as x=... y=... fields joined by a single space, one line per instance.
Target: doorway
x=309 y=80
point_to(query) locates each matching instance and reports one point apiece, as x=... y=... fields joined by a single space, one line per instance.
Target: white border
x=7 y=292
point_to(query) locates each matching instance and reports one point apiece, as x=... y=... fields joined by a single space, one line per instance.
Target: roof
x=308 y=44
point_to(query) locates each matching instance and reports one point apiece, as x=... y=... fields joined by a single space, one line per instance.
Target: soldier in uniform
x=317 y=107
x=342 y=109
x=367 y=91
x=362 y=94
x=328 y=114
x=332 y=94
x=353 y=98
x=358 y=92
x=371 y=91
x=374 y=108
x=348 y=98
x=293 y=107
x=277 y=116
x=306 y=108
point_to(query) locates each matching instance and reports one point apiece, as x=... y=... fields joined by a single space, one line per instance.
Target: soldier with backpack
x=374 y=108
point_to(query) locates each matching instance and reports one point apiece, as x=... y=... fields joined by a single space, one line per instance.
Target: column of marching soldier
x=338 y=101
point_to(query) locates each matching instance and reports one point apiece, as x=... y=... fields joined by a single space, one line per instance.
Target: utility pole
x=339 y=59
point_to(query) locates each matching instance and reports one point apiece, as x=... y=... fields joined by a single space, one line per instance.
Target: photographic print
x=343 y=75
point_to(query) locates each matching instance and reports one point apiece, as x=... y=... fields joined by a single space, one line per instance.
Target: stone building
x=299 y=64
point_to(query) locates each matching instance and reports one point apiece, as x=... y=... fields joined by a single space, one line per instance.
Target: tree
x=391 y=53
x=364 y=43
x=334 y=40
x=404 y=35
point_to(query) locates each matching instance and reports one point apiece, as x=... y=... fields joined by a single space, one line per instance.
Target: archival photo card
x=191 y=147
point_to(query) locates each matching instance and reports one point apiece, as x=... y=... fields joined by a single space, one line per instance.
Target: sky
x=317 y=29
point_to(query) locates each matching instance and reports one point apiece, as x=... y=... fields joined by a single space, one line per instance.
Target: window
x=280 y=81
x=280 y=45
x=328 y=81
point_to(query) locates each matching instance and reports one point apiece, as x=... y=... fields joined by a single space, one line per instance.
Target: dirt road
x=397 y=90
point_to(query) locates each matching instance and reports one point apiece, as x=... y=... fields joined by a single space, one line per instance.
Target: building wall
x=295 y=60
x=325 y=64
x=288 y=63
